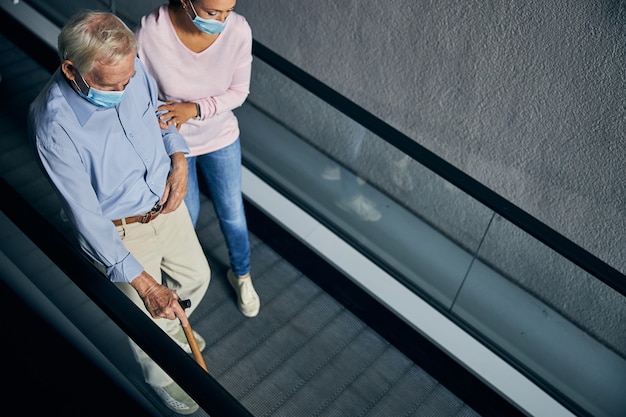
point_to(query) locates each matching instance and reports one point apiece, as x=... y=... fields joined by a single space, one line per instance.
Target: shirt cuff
x=125 y=271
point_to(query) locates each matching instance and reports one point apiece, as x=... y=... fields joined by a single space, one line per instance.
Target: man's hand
x=160 y=301
x=176 y=184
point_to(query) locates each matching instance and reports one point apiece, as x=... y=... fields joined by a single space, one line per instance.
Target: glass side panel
x=550 y=315
x=556 y=281
x=357 y=184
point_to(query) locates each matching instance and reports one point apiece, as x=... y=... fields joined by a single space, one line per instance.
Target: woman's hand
x=176 y=113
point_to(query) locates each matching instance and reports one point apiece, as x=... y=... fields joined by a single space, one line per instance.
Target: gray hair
x=91 y=36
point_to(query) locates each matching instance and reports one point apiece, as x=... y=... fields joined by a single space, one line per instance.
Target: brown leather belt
x=141 y=218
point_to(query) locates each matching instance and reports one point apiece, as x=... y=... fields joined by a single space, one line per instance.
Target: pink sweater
x=217 y=78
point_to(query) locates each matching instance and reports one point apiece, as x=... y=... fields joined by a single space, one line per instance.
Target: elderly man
x=121 y=179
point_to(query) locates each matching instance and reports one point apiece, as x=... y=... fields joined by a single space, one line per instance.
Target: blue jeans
x=221 y=170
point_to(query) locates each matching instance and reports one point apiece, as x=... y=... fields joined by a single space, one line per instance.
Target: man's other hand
x=176 y=184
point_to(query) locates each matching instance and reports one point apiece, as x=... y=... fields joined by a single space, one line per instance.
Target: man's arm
x=175 y=146
x=95 y=233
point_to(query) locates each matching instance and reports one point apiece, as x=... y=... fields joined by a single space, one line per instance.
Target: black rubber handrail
x=529 y=224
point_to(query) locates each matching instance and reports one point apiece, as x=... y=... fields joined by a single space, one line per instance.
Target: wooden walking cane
x=195 y=350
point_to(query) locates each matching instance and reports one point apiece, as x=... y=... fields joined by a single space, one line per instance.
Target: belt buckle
x=146 y=218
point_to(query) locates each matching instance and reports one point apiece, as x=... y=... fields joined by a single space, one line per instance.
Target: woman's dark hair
x=174 y=2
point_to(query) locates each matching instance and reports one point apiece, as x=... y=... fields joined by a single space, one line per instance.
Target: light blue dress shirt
x=105 y=164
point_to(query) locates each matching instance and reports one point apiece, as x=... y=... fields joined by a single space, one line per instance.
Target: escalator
x=310 y=354
x=324 y=344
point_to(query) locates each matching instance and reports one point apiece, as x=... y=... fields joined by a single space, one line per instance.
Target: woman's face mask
x=210 y=26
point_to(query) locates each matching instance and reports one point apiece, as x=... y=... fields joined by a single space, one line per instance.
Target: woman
x=200 y=53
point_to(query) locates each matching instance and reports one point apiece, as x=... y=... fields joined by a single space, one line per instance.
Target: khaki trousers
x=167 y=244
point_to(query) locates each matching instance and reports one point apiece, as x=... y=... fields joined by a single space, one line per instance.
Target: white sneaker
x=362 y=207
x=247 y=299
x=176 y=399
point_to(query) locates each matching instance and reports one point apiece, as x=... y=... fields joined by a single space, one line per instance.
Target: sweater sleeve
x=239 y=87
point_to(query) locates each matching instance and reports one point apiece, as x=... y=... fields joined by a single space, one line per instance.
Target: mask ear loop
x=193 y=9
x=84 y=82
x=85 y=85
x=186 y=10
x=76 y=85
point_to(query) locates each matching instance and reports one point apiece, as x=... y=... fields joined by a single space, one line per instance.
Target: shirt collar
x=81 y=107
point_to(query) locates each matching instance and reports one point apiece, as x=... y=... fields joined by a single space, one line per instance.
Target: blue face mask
x=210 y=26
x=105 y=99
